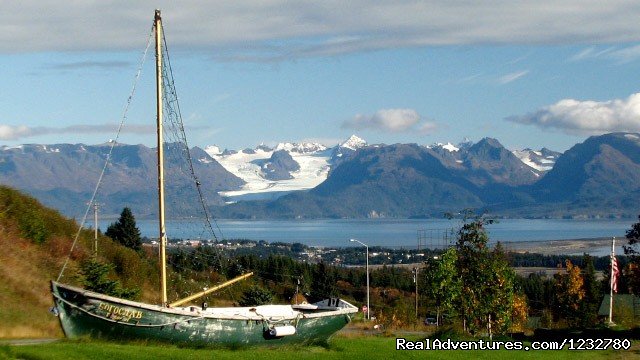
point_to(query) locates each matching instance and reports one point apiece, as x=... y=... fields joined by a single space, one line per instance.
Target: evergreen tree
x=94 y=277
x=125 y=231
x=533 y=287
x=632 y=249
x=324 y=283
x=179 y=260
x=593 y=295
x=255 y=295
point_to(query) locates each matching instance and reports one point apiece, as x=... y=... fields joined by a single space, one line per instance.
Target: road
x=18 y=342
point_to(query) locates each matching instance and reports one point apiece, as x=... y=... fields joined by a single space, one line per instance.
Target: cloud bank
x=587 y=117
x=11 y=132
x=257 y=30
x=391 y=120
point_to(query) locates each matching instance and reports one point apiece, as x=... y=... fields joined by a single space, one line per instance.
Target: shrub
x=255 y=295
x=94 y=277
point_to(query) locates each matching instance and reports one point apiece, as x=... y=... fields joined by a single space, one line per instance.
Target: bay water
x=394 y=233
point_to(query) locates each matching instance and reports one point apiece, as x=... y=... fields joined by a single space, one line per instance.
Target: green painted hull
x=87 y=314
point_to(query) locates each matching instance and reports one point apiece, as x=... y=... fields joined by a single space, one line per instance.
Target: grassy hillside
x=35 y=242
x=354 y=348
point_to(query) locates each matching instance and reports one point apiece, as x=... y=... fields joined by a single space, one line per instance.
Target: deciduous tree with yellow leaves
x=519 y=313
x=569 y=294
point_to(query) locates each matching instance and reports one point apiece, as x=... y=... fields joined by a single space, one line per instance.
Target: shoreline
x=600 y=246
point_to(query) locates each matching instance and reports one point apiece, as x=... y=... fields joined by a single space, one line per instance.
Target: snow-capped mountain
x=213 y=150
x=353 y=143
x=596 y=178
x=273 y=172
x=541 y=160
x=448 y=146
x=301 y=148
x=346 y=149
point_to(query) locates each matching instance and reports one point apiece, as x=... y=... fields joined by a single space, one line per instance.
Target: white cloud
x=392 y=120
x=427 y=128
x=273 y=30
x=10 y=132
x=512 y=77
x=587 y=117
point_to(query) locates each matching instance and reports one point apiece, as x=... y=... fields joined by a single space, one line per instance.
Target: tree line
x=469 y=284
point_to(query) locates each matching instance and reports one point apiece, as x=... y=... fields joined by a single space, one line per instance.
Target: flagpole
x=612 y=279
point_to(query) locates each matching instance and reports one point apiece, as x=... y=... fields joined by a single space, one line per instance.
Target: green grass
x=369 y=347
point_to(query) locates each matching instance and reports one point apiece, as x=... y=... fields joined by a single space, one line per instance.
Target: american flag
x=615 y=273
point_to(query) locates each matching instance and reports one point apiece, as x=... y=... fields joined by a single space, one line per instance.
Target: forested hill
x=35 y=241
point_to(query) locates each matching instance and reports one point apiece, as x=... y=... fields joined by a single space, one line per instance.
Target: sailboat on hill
x=85 y=313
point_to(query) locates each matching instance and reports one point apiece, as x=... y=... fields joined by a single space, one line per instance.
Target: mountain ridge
x=64 y=175
x=408 y=180
x=398 y=180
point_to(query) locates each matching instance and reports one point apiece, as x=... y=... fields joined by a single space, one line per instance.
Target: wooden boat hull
x=87 y=314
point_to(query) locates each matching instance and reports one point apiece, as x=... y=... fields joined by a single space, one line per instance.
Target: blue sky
x=531 y=74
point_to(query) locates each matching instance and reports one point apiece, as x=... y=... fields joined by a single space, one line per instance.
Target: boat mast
x=162 y=229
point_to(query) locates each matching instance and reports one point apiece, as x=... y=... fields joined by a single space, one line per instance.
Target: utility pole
x=367 y=269
x=96 y=206
x=95 y=230
x=415 y=280
x=613 y=280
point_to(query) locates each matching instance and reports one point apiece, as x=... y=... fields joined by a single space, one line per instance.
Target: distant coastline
x=541 y=235
x=600 y=246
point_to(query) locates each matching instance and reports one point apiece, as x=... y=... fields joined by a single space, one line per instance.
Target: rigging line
x=181 y=128
x=108 y=158
x=182 y=137
x=168 y=72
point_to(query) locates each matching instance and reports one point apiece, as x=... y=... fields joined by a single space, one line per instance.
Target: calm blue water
x=388 y=232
